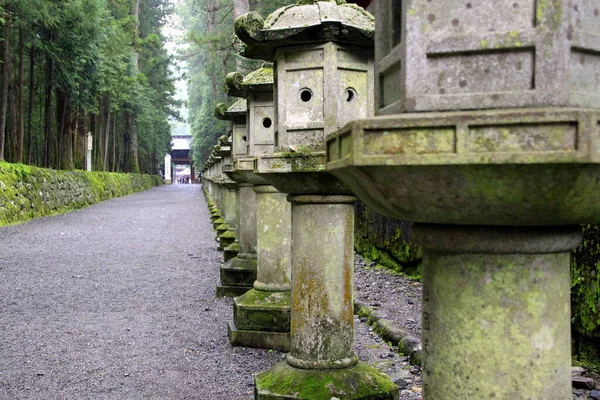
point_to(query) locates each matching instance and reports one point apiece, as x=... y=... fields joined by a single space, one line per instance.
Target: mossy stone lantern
x=323 y=63
x=482 y=143
x=239 y=268
x=262 y=315
x=226 y=231
x=216 y=176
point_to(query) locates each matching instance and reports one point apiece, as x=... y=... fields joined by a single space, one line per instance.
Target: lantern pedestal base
x=261 y=319
x=258 y=339
x=358 y=382
x=236 y=277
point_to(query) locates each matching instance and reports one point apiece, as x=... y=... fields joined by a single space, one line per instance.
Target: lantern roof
x=308 y=21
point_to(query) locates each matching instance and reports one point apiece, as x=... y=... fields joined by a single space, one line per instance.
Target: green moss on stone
x=234 y=247
x=261 y=76
x=259 y=298
x=262 y=311
x=585 y=297
x=227 y=234
x=304 y=159
x=395 y=254
x=358 y=382
x=28 y=192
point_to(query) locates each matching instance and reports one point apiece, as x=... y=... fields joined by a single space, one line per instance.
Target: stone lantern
x=215 y=213
x=262 y=315
x=208 y=182
x=215 y=177
x=238 y=272
x=227 y=231
x=322 y=54
x=488 y=139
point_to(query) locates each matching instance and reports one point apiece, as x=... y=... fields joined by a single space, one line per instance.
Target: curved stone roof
x=260 y=80
x=236 y=110
x=309 y=21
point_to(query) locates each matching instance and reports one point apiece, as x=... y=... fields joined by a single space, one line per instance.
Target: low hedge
x=29 y=192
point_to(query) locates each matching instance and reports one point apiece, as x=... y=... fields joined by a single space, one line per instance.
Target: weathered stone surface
x=320 y=88
x=262 y=311
x=299 y=173
x=261 y=339
x=582 y=382
x=246 y=231
x=230 y=291
x=238 y=272
x=274 y=240
x=495 y=301
x=455 y=55
x=262 y=122
x=258 y=137
x=230 y=251
x=236 y=113
x=323 y=21
x=499 y=167
x=360 y=382
x=260 y=80
x=322 y=322
x=227 y=238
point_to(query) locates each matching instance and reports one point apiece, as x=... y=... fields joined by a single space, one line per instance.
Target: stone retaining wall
x=585 y=297
x=29 y=192
x=386 y=241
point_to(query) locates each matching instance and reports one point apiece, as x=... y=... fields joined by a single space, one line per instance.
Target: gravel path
x=117 y=301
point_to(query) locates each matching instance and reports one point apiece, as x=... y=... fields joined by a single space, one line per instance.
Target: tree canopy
x=70 y=67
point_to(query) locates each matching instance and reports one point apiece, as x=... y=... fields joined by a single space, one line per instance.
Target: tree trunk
x=240 y=7
x=11 y=124
x=114 y=143
x=48 y=114
x=30 y=108
x=107 y=132
x=210 y=27
x=132 y=151
x=80 y=145
x=4 y=92
x=93 y=122
x=64 y=129
x=126 y=139
x=20 y=104
x=98 y=134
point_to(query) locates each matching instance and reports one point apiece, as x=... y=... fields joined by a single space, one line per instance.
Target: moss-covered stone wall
x=386 y=241
x=29 y=192
x=585 y=297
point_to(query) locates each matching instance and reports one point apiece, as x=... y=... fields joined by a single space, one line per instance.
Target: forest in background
x=70 y=67
x=211 y=54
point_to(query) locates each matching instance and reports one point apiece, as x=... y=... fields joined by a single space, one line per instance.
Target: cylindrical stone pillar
x=230 y=215
x=496 y=311
x=273 y=253
x=246 y=215
x=322 y=319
